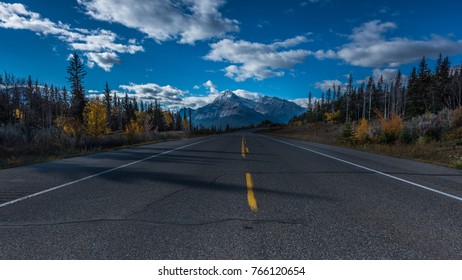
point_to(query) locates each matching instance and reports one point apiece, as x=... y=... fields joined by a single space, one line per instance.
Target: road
x=233 y=196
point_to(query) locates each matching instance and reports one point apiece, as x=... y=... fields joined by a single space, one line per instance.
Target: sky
x=185 y=52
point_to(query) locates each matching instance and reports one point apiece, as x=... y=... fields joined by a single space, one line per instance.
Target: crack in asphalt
x=158 y=223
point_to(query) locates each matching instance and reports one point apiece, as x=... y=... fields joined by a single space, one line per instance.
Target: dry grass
x=24 y=154
x=447 y=153
x=321 y=132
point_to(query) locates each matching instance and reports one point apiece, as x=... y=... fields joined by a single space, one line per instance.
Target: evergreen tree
x=107 y=103
x=424 y=87
x=77 y=73
x=310 y=103
x=370 y=91
x=348 y=92
x=441 y=94
x=190 y=120
x=414 y=103
x=178 y=122
x=158 y=120
x=65 y=102
x=363 y=98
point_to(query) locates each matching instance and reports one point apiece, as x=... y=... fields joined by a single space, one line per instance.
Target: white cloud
x=186 y=20
x=303 y=102
x=105 y=60
x=370 y=48
x=211 y=86
x=256 y=60
x=99 y=46
x=326 y=84
x=292 y=42
x=196 y=87
x=166 y=95
x=196 y=102
x=388 y=74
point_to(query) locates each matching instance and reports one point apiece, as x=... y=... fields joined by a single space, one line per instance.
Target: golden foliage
x=297 y=123
x=96 y=122
x=185 y=124
x=69 y=125
x=333 y=117
x=19 y=115
x=132 y=130
x=168 y=118
x=144 y=120
x=362 y=131
x=391 y=128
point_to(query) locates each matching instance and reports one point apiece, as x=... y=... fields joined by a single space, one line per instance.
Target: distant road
x=234 y=196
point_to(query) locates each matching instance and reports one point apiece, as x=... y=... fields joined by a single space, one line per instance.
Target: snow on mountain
x=230 y=109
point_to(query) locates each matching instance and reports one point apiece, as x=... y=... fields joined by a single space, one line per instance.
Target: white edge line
x=370 y=169
x=97 y=174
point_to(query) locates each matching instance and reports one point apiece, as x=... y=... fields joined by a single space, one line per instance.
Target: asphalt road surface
x=234 y=196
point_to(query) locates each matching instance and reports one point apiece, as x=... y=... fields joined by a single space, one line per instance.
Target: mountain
x=230 y=109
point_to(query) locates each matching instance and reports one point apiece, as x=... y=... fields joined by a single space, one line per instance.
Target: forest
x=40 y=121
x=424 y=108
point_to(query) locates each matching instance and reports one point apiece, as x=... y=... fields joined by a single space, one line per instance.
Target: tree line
x=32 y=105
x=425 y=91
x=40 y=121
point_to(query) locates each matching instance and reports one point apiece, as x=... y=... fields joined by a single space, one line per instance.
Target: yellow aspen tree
x=95 y=117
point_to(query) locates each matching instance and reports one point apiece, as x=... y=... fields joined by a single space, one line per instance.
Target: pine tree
x=158 y=121
x=107 y=103
x=424 y=87
x=310 y=104
x=77 y=73
x=441 y=84
x=413 y=94
x=65 y=102
x=370 y=91
x=190 y=120
x=178 y=121
x=348 y=92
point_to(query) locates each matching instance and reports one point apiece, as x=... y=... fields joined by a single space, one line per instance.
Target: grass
x=116 y=141
x=444 y=153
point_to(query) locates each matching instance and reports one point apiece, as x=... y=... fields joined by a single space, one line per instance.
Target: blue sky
x=185 y=52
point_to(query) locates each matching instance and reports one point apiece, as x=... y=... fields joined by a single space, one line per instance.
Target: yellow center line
x=250 y=194
x=243 y=147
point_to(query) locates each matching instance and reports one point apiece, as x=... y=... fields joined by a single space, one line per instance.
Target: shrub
x=454 y=134
x=362 y=131
x=456 y=161
x=455 y=118
x=407 y=136
x=391 y=128
x=427 y=126
x=13 y=135
x=347 y=134
x=133 y=131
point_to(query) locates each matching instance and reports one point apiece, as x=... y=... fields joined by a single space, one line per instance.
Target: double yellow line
x=248 y=180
